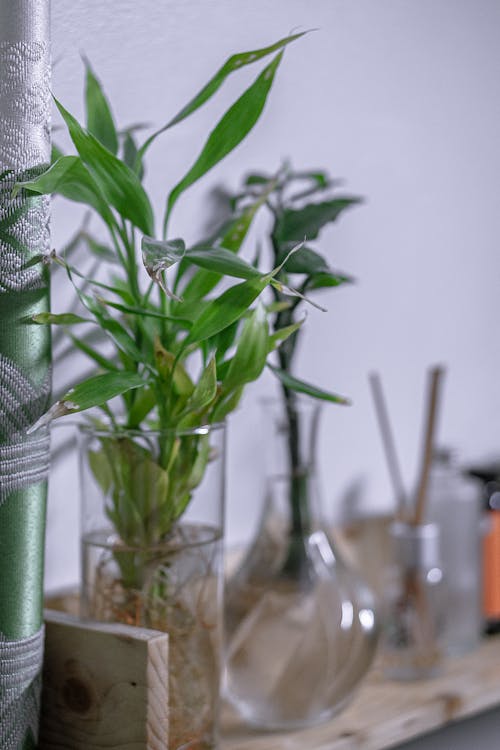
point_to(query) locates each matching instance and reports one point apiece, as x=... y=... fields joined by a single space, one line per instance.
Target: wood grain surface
x=384 y=714
x=105 y=686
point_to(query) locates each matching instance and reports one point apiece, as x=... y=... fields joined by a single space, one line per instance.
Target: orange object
x=491 y=567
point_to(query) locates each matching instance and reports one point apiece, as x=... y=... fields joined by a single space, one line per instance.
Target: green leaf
x=226 y=405
x=305 y=260
x=300 y=386
x=130 y=155
x=118 y=334
x=251 y=351
x=100 y=389
x=205 y=390
x=229 y=132
x=105 y=362
x=307 y=222
x=158 y=255
x=166 y=364
x=69 y=177
x=118 y=183
x=143 y=312
x=99 y=118
x=225 y=309
x=144 y=402
x=232 y=239
x=282 y=334
x=234 y=63
x=221 y=261
x=64 y=319
x=95 y=391
x=327 y=279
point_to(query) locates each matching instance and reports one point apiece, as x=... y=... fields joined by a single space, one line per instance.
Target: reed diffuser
x=414 y=601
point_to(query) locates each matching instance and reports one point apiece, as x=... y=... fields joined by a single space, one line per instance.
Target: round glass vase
x=301 y=627
x=152 y=524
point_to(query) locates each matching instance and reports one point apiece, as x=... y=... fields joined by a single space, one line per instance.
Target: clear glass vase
x=301 y=627
x=152 y=521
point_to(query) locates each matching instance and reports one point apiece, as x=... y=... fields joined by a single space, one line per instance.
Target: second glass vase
x=301 y=627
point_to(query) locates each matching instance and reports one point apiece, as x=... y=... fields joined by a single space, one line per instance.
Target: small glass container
x=414 y=610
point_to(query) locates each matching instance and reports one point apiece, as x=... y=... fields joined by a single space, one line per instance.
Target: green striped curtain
x=24 y=363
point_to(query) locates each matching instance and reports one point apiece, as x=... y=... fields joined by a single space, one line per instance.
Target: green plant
x=182 y=357
x=301 y=204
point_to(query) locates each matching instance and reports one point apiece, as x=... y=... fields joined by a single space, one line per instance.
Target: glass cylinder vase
x=152 y=524
x=301 y=627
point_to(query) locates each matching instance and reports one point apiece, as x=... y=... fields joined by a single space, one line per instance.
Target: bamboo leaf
x=95 y=391
x=282 y=334
x=158 y=256
x=327 y=279
x=118 y=183
x=105 y=362
x=222 y=262
x=229 y=132
x=234 y=63
x=100 y=121
x=225 y=309
x=306 y=260
x=295 y=224
x=69 y=177
x=64 y=319
x=300 y=386
x=205 y=390
x=251 y=351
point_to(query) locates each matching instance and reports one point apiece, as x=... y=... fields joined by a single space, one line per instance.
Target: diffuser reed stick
x=433 y=401
x=388 y=443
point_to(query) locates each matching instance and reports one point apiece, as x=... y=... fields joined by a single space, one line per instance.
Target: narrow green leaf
x=69 y=177
x=307 y=222
x=306 y=260
x=282 y=334
x=327 y=279
x=300 y=386
x=100 y=121
x=229 y=132
x=225 y=309
x=143 y=312
x=222 y=262
x=95 y=391
x=101 y=389
x=118 y=183
x=234 y=63
x=226 y=405
x=130 y=155
x=64 y=319
x=205 y=390
x=105 y=362
x=251 y=351
x=232 y=239
x=144 y=403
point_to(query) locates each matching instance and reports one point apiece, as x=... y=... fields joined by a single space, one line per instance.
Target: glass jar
x=415 y=604
x=152 y=522
x=454 y=503
x=301 y=627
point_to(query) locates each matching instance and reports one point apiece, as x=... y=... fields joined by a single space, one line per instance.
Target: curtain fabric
x=24 y=362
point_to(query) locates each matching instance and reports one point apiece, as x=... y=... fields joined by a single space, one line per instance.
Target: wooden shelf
x=385 y=714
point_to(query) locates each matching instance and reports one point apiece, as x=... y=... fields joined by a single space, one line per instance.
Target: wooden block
x=105 y=686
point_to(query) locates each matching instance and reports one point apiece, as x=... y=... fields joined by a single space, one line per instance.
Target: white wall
x=400 y=98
